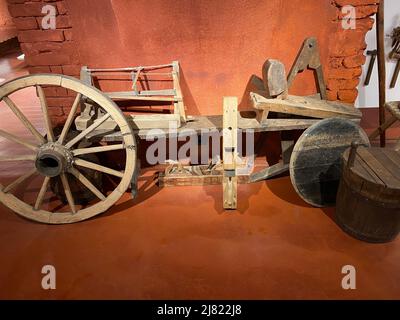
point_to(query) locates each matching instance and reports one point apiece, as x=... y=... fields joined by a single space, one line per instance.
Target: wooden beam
x=179 y=107
x=155 y=121
x=161 y=66
x=380 y=36
x=305 y=106
x=229 y=152
x=133 y=96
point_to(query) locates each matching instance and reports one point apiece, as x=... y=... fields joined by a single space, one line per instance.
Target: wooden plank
x=145 y=93
x=230 y=123
x=389 y=122
x=197 y=123
x=229 y=151
x=364 y=171
x=380 y=36
x=257 y=83
x=389 y=161
x=155 y=121
x=274 y=78
x=155 y=67
x=179 y=106
x=215 y=178
x=230 y=192
x=167 y=76
x=308 y=57
x=305 y=106
x=132 y=96
x=375 y=165
x=269 y=172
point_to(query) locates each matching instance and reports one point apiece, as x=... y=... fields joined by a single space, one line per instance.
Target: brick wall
x=5 y=17
x=347 y=50
x=47 y=51
x=56 y=50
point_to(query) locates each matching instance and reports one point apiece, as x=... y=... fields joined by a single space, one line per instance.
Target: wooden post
x=380 y=36
x=230 y=143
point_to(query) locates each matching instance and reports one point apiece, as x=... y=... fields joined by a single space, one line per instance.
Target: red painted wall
x=7 y=28
x=5 y=17
x=219 y=44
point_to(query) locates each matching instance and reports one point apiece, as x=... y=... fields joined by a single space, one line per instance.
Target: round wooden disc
x=315 y=164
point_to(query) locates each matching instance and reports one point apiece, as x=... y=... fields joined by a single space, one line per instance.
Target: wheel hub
x=53 y=159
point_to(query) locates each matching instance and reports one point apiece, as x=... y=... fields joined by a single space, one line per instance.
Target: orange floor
x=177 y=243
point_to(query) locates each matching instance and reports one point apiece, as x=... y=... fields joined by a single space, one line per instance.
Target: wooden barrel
x=368 y=200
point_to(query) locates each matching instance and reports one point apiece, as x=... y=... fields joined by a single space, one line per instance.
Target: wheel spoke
x=68 y=192
x=18 y=140
x=19 y=180
x=18 y=158
x=23 y=119
x=70 y=119
x=97 y=167
x=42 y=193
x=45 y=110
x=84 y=133
x=112 y=147
x=87 y=183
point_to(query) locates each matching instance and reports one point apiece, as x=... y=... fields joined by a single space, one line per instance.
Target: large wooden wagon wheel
x=56 y=157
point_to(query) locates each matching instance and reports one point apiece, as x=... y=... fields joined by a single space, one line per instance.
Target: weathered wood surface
x=179 y=107
x=305 y=106
x=380 y=36
x=199 y=175
x=287 y=146
x=172 y=96
x=37 y=211
x=274 y=78
x=315 y=165
x=368 y=200
x=230 y=151
x=197 y=124
x=394 y=109
x=309 y=57
x=270 y=172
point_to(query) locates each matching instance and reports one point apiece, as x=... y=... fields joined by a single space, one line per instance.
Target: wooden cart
x=69 y=160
